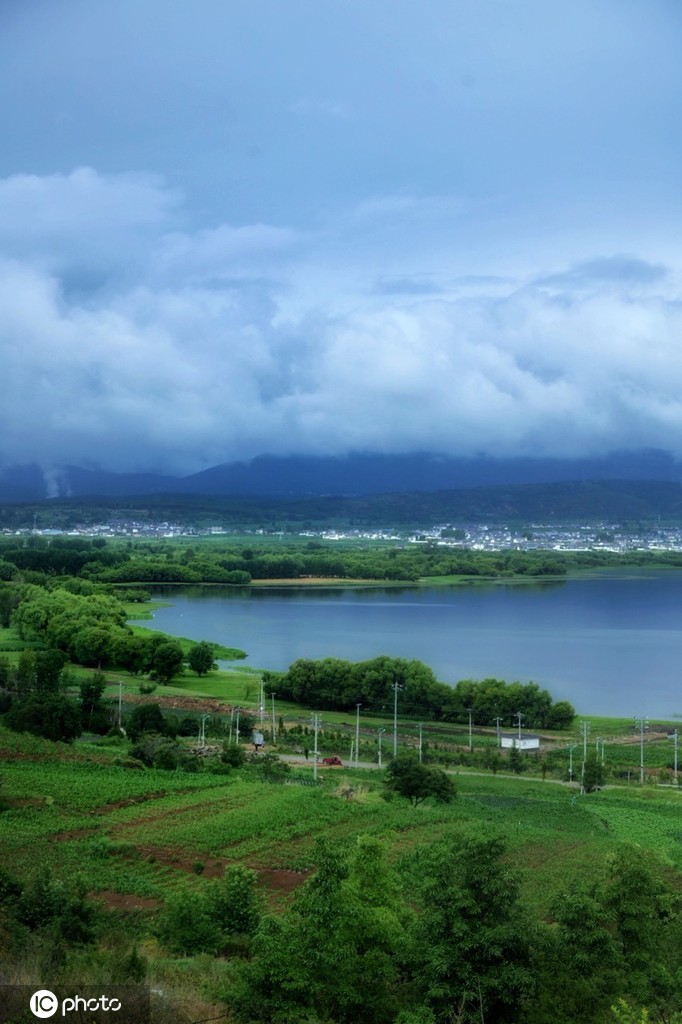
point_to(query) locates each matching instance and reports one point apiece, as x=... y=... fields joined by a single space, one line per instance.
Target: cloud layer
x=131 y=339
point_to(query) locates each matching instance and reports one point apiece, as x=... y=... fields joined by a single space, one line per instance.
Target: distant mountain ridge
x=354 y=475
x=624 y=503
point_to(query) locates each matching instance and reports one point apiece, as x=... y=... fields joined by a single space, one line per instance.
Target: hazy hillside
x=613 y=501
x=352 y=475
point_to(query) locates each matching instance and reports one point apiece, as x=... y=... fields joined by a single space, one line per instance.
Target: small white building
x=525 y=742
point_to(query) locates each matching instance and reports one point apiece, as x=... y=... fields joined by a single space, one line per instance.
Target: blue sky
x=328 y=226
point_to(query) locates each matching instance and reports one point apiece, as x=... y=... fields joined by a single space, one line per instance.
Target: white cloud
x=192 y=359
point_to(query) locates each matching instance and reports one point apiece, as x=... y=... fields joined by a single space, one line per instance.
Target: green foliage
x=268 y=767
x=624 y=1013
x=167 y=660
x=333 y=956
x=145 y=718
x=340 y=685
x=48 y=668
x=157 y=751
x=233 y=755
x=47 y=902
x=593 y=774
x=188 y=925
x=94 y=714
x=472 y=940
x=200 y=658
x=406 y=776
x=193 y=922
x=235 y=900
x=48 y=715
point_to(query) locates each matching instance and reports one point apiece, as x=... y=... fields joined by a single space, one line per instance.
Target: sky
x=238 y=227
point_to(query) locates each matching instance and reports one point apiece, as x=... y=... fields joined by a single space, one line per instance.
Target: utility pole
x=202 y=730
x=120 y=704
x=420 y=726
x=585 y=729
x=498 y=723
x=395 y=718
x=674 y=738
x=261 y=704
x=380 y=731
x=519 y=717
x=570 y=762
x=357 y=735
x=471 y=735
x=237 y=728
x=274 y=741
x=231 y=720
x=643 y=722
x=316 y=726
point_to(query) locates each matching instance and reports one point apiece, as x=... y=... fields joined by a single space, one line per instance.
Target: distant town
x=600 y=536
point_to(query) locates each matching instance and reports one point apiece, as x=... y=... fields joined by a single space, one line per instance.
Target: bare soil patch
x=125 y=901
x=177 y=859
x=180 y=703
x=282 y=880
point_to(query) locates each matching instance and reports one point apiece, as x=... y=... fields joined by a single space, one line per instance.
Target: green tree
x=593 y=775
x=48 y=715
x=145 y=718
x=332 y=956
x=579 y=957
x=94 y=714
x=232 y=754
x=472 y=941
x=235 y=900
x=167 y=660
x=406 y=776
x=515 y=760
x=26 y=673
x=200 y=658
x=188 y=925
x=93 y=646
x=48 y=668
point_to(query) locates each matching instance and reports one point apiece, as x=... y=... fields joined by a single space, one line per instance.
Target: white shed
x=526 y=742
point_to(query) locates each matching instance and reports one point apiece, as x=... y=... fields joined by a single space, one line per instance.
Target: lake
x=611 y=644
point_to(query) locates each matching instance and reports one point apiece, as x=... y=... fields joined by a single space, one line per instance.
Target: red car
x=332 y=760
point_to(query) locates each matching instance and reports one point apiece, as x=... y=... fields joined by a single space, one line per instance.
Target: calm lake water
x=612 y=645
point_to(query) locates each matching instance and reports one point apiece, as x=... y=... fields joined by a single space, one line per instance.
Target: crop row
x=87 y=786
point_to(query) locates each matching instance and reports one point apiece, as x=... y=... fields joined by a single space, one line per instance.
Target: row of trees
x=162 y=562
x=336 y=684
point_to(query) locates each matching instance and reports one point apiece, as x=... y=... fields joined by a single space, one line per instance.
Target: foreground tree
x=335 y=955
x=472 y=941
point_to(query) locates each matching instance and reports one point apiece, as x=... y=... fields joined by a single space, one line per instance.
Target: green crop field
x=145 y=832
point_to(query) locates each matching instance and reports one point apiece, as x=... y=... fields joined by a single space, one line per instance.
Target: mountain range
x=354 y=475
